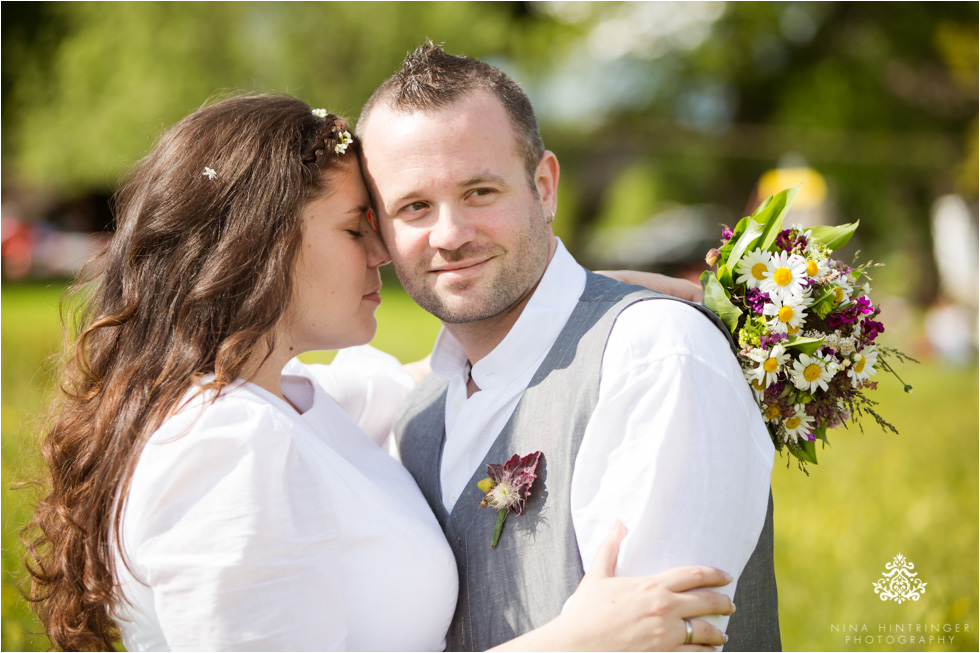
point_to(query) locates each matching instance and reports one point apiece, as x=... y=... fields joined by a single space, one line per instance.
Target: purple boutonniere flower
x=508 y=487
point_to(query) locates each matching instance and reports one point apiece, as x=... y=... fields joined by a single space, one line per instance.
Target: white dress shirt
x=676 y=448
x=249 y=526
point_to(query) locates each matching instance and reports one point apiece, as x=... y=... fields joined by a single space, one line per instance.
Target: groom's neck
x=481 y=337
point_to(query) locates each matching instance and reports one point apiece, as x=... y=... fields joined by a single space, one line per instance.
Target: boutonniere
x=508 y=487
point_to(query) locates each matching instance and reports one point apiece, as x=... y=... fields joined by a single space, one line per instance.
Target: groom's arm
x=676 y=448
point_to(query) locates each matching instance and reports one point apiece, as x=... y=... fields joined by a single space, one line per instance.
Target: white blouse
x=249 y=526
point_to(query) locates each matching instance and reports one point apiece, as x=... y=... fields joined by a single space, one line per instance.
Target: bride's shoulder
x=237 y=412
x=234 y=437
x=218 y=454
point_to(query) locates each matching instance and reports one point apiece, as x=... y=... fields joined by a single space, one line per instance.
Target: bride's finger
x=702 y=634
x=681 y=579
x=702 y=602
x=604 y=562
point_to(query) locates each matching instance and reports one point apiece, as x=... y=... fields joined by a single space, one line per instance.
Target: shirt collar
x=531 y=337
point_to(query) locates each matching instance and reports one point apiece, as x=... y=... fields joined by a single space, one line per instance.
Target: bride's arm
x=418 y=369
x=607 y=613
x=680 y=288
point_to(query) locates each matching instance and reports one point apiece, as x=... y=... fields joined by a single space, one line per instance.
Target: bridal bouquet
x=803 y=321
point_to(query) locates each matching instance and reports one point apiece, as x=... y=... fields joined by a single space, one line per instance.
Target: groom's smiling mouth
x=460 y=269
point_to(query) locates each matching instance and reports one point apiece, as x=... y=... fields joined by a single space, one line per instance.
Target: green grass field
x=873 y=496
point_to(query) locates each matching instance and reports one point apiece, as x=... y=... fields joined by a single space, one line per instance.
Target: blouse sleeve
x=232 y=532
x=368 y=384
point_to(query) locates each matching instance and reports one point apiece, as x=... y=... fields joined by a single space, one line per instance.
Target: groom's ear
x=546 y=181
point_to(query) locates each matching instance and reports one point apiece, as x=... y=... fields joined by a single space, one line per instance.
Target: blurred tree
x=88 y=86
x=880 y=98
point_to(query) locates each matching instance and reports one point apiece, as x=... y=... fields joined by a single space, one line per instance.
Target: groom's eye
x=479 y=193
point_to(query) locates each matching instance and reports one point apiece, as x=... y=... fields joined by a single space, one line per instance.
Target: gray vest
x=525 y=581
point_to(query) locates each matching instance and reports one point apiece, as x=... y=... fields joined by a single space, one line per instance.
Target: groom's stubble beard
x=518 y=272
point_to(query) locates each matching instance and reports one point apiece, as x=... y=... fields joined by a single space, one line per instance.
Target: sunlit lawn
x=873 y=496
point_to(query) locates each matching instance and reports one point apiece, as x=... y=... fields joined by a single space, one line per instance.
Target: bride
x=208 y=491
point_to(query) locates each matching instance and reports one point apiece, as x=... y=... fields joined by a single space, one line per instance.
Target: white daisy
x=799 y=424
x=787 y=315
x=843 y=289
x=816 y=267
x=753 y=267
x=771 y=363
x=786 y=276
x=772 y=414
x=863 y=367
x=812 y=372
x=757 y=385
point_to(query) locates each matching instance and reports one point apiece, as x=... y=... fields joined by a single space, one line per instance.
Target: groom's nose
x=451 y=229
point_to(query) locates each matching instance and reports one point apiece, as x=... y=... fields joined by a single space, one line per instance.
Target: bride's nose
x=377 y=253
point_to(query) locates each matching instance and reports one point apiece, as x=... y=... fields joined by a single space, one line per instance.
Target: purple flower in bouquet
x=756 y=300
x=871 y=329
x=851 y=313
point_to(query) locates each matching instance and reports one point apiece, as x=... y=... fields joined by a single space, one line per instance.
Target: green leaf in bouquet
x=762 y=227
x=716 y=300
x=803 y=345
x=773 y=215
x=821 y=434
x=807 y=451
x=753 y=230
x=824 y=304
x=726 y=249
x=835 y=237
x=725 y=276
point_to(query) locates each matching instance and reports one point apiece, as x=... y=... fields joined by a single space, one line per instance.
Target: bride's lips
x=373 y=296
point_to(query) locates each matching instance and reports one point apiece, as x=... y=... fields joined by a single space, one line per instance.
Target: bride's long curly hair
x=193 y=282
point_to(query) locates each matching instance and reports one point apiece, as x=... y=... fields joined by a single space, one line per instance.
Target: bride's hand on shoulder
x=680 y=288
x=610 y=613
x=646 y=613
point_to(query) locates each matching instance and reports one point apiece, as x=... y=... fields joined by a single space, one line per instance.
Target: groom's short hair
x=429 y=79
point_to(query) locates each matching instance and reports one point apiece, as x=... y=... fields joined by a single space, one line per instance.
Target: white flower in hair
x=209 y=173
x=345 y=140
x=320 y=113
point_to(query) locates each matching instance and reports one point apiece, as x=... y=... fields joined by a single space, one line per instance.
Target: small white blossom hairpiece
x=345 y=140
x=209 y=173
x=320 y=113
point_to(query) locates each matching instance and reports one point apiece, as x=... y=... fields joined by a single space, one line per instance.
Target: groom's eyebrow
x=487 y=178
x=476 y=180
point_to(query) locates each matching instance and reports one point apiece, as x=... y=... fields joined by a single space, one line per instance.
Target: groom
x=635 y=400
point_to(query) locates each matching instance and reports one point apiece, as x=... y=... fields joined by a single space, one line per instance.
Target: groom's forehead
x=415 y=143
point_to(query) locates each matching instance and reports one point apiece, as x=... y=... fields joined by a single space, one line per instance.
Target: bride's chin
x=367 y=334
